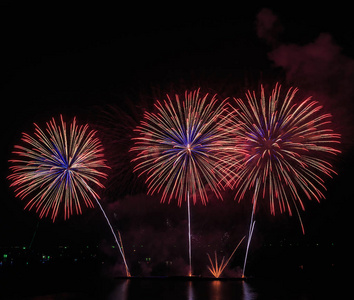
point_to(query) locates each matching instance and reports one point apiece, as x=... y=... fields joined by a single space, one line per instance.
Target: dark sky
x=71 y=60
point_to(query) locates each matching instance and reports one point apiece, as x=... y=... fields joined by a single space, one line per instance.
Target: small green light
x=5 y=255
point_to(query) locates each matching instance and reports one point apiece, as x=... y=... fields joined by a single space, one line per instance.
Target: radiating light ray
x=181 y=147
x=286 y=147
x=216 y=268
x=58 y=169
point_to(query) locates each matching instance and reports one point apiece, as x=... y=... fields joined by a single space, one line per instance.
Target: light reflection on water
x=248 y=291
x=190 y=291
x=182 y=289
x=120 y=292
x=216 y=286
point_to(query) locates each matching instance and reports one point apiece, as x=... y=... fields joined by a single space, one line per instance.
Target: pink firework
x=286 y=146
x=181 y=147
x=58 y=169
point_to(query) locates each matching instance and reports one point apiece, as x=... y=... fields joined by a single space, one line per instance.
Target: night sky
x=77 y=61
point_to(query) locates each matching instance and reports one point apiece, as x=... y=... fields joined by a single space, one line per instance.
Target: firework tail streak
x=57 y=169
x=286 y=146
x=181 y=149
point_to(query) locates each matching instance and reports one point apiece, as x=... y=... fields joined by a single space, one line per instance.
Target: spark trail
x=217 y=269
x=287 y=146
x=58 y=169
x=180 y=148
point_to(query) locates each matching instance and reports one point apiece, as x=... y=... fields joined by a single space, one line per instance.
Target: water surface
x=197 y=289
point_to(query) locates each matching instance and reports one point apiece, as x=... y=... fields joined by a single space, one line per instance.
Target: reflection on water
x=120 y=292
x=216 y=292
x=131 y=289
x=182 y=289
x=248 y=292
x=190 y=291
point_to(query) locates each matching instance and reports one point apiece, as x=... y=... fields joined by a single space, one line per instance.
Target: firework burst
x=181 y=150
x=286 y=146
x=181 y=147
x=58 y=168
x=216 y=268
